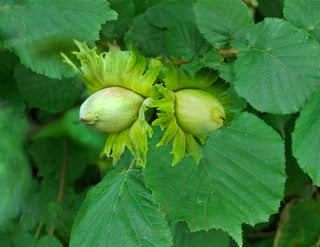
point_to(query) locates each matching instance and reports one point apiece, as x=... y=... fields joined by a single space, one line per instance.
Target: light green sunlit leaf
x=119 y=211
x=306 y=138
x=38 y=31
x=240 y=178
x=279 y=70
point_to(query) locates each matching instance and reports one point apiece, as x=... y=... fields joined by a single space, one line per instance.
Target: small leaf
x=305 y=14
x=222 y=22
x=119 y=211
x=306 y=138
x=240 y=178
x=44 y=29
x=279 y=70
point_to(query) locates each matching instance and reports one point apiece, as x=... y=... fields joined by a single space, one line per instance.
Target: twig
x=231 y=51
x=62 y=181
x=260 y=235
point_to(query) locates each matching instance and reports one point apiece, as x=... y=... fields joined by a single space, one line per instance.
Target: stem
x=38 y=230
x=62 y=182
x=231 y=51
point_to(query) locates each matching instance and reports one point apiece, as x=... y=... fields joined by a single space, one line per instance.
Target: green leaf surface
x=119 y=211
x=240 y=178
x=52 y=95
x=146 y=37
x=305 y=14
x=306 y=138
x=279 y=70
x=49 y=241
x=222 y=22
x=184 y=41
x=182 y=237
x=299 y=225
x=38 y=31
x=15 y=174
x=117 y=28
x=165 y=14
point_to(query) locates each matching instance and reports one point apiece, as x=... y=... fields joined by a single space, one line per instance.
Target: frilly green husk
x=184 y=143
x=127 y=69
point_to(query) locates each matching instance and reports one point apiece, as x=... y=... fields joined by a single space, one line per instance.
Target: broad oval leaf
x=38 y=31
x=222 y=22
x=240 y=178
x=119 y=211
x=305 y=14
x=306 y=138
x=280 y=68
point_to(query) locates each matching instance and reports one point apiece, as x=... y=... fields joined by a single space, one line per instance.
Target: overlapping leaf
x=38 y=31
x=119 y=211
x=279 y=70
x=240 y=178
x=222 y=22
x=306 y=138
x=305 y=14
x=51 y=95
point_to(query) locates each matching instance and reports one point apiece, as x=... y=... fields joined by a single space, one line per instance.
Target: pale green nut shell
x=112 y=109
x=197 y=111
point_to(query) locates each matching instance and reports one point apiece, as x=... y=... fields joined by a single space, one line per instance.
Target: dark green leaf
x=117 y=28
x=51 y=95
x=222 y=22
x=15 y=173
x=306 y=136
x=305 y=14
x=299 y=225
x=184 y=41
x=146 y=37
x=38 y=31
x=49 y=241
x=119 y=211
x=271 y=8
x=240 y=178
x=279 y=70
x=165 y=14
x=182 y=237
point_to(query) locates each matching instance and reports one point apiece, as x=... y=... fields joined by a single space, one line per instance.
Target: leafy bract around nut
x=188 y=108
x=127 y=70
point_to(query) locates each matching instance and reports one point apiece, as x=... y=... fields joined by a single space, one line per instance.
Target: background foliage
x=257 y=183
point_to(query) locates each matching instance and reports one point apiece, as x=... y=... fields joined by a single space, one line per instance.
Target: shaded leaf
x=182 y=237
x=49 y=241
x=305 y=14
x=144 y=36
x=184 y=41
x=299 y=225
x=306 y=138
x=52 y=95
